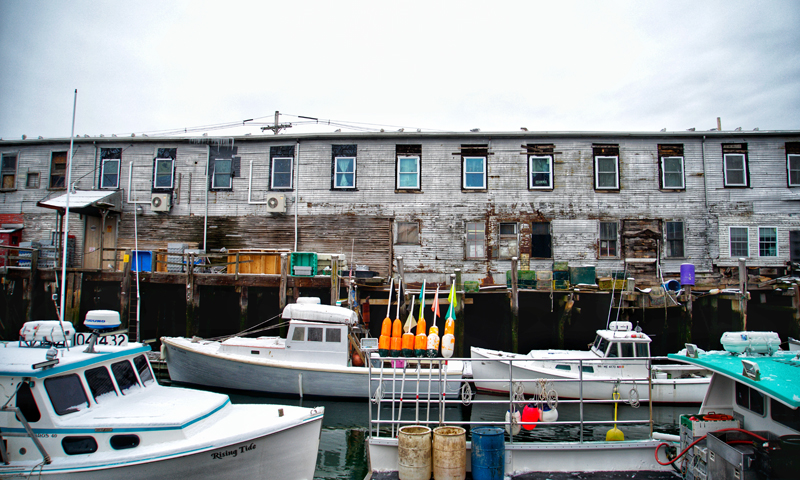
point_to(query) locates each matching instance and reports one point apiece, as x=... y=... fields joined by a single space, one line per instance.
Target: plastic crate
x=471 y=286
x=607 y=283
x=301 y=271
x=144 y=259
x=582 y=275
x=527 y=278
x=303 y=259
x=561 y=266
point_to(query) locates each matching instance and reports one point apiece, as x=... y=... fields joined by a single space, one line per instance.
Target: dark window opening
x=541 y=240
x=78 y=445
x=749 y=398
x=674 y=239
x=58 y=169
x=99 y=381
x=608 y=239
x=66 y=394
x=784 y=415
x=110 y=159
x=122 y=442
x=314 y=334
x=143 y=367
x=333 y=335
x=27 y=404
x=123 y=373
x=8 y=168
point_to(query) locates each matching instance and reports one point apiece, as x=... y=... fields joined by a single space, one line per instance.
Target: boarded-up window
x=9 y=170
x=58 y=169
x=608 y=239
x=407 y=233
x=674 y=231
x=541 y=240
x=476 y=240
x=735 y=170
x=508 y=241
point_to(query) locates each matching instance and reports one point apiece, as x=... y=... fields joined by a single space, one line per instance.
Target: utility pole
x=278 y=126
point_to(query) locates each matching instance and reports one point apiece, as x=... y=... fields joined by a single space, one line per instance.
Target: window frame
x=107 y=156
x=417 y=172
x=53 y=175
x=157 y=175
x=535 y=235
x=4 y=172
x=28 y=180
x=668 y=253
x=506 y=237
x=601 y=239
x=664 y=172
x=730 y=241
x=531 y=158
x=789 y=170
x=403 y=239
x=336 y=172
x=475 y=239
x=597 y=172
x=483 y=173
x=272 y=172
x=725 y=169
x=214 y=185
x=761 y=243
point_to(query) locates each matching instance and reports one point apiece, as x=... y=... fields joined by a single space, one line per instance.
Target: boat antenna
x=66 y=216
x=136 y=260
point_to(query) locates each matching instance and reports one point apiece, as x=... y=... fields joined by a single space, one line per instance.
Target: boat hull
x=492 y=376
x=226 y=371
x=296 y=448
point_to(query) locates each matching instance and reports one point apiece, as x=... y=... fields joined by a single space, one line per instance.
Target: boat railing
x=437 y=394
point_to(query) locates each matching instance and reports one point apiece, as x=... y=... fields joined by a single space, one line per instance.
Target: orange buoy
x=449 y=326
x=408 y=344
x=421 y=326
x=386 y=327
x=384 y=345
x=420 y=344
x=397 y=346
x=397 y=328
x=433 y=342
x=530 y=414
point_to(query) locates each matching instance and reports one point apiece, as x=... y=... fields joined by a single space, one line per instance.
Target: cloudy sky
x=193 y=67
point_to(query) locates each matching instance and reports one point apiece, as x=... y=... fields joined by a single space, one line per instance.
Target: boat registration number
x=117 y=340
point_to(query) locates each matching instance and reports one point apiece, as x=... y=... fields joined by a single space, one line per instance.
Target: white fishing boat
x=322 y=355
x=618 y=360
x=94 y=410
x=749 y=423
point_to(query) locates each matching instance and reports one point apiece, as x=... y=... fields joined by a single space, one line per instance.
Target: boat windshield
x=602 y=345
x=597 y=341
x=626 y=349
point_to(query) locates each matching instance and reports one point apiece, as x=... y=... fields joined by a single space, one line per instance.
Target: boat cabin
x=621 y=341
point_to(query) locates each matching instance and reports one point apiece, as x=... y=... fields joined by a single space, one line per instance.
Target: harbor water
x=342 y=450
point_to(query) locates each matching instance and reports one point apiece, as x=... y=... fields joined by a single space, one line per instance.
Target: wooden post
x=73 y=298
x=242 y=305
x=125 y=288
x=459 y=350
x=514 y=307
x=687 y=315
x=334 y=279
x=743 y=290
x=796 y=305
x=192 y=300
x=284 y=280
x=236 y=274
x=566 y=317
x=402 y=286
x=30 y=291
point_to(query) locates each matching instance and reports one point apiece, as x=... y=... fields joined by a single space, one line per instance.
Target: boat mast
x=66 y=212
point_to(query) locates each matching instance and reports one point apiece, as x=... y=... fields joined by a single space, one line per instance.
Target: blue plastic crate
x=145 y=261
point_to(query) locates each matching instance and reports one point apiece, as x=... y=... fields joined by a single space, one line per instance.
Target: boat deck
x=558 y=476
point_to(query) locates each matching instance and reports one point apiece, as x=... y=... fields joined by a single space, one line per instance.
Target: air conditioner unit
x=276 y=204
x=160 y=202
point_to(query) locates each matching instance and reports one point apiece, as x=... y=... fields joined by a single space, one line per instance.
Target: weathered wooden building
x=641 y=203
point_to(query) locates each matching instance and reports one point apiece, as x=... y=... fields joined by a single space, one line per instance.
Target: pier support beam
x=514 y=307
x=243 y=292
x=284 y=280
x=192 y=300
x=459 y=350
x=30 y=286
x=334 y=279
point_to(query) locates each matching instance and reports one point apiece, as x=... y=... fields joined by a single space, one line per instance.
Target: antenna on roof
x=278 y=126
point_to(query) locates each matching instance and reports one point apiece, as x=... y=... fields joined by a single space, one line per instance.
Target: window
x=767 y=242
x=333 y=335
x=671 y=166
x=784 y=415
x=407 y=233
x=408 y=173
x=642 y=350
x=476 y=240
x=541 y=171
x=343 y=165
x=79 y=445
x=100 y=383
x=281 y=173
x=123 y=373
x=223 y=173
x=145 y=375
x=281 y=166
x=734 y=159
x=793 y=167
x=66 y=393
x=541 y=240
x=749 y=398
x=626 y=349
x=508 y=242
x=223 y=167
x=32 y=180
x=674 y=240
x=163 y=176
x=58 y=169
x=314 y=334
x=299 y=334
x=474 y=168
x=408 y=167
x=122 y=442
x=475 y=173
x=27 y=404
x=606 y=167
x=740 y=246
x=109 y=168
x=9 y=171
x=608 y=239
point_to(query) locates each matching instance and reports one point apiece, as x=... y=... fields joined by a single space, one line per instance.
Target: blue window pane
x=408 y=165
x=473 y=164
x=408 y=180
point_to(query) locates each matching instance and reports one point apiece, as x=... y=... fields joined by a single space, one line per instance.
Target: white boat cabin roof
x=621 y=340
x=314 y=312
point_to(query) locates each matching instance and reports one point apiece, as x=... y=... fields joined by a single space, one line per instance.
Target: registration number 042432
x=117 y=340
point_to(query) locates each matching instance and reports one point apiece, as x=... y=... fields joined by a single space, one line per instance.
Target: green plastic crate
x=303 y=259
x=472 y=286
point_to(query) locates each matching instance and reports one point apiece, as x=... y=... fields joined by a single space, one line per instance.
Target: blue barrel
x=687 y=274
x=488 y=453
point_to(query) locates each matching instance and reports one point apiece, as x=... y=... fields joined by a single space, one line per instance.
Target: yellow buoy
x=615 y=434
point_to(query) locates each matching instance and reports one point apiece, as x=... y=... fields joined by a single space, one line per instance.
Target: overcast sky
x=164 y=66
